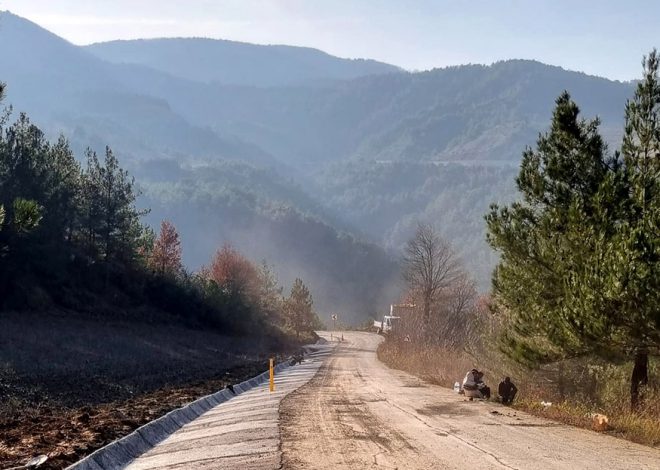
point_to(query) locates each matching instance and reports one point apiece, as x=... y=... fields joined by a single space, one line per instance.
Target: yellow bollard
x=272 y=375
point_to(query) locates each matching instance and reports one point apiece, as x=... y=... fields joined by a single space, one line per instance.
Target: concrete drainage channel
x=122 y=452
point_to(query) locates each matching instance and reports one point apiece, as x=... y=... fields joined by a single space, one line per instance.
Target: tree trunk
x=640 y=376
x=426 y=319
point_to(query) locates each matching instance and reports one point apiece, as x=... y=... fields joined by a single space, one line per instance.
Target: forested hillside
x=464 y=113
x=389 y=200
x=267 y=217
x=350 y=151
x=236 y=63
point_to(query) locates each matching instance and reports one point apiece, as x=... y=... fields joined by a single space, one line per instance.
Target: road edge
x=121 y=452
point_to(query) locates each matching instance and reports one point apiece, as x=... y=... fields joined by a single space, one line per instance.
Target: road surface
x=356 y=414
x=241 y=433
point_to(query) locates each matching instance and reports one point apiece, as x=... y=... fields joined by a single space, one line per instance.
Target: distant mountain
x=464 y=113
x=365 y=148
x=66 y=89
x=236 y=63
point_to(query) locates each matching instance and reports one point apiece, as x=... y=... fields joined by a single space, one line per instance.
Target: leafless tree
x=458 y=320
x=430 y=266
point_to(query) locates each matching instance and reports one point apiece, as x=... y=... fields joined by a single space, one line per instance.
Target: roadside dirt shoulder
x=357 y=413
x=66 y=435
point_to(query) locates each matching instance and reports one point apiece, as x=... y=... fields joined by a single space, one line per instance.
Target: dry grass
x=608 y=383
x=434 y=364
x=642 y=427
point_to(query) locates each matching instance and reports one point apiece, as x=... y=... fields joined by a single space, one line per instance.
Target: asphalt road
x=356 y=413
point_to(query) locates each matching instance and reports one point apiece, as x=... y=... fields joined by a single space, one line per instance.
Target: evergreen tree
x=27 y=215
x=300 y=315
x=633 y=257
x=111 y=223
x=546 y=237
x=64 y=188
x=270 y=294
x=579 y=266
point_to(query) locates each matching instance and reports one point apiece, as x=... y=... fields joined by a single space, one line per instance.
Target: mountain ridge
x=373 y=155
x=243 y=63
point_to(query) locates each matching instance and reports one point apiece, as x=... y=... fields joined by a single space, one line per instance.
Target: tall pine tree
x=579 y=267
x=300 y=315
x=633 y=257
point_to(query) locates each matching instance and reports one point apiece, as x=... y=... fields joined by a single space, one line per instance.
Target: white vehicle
x=387 y=324
x=390 y=321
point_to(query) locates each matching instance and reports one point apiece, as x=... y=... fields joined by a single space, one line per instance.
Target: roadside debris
x=599 y=422
x=32 y=463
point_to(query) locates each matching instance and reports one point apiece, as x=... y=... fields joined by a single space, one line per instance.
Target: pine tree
x=633 y=258
x=64 y=187
x=546 y=238
x=300 y=315
x=270 y=294
x=120 y=226
x=91 y=203
x=111 y=222
x=579 y=267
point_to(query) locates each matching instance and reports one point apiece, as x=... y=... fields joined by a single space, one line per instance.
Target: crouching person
x=507 y=391
x=474 y=386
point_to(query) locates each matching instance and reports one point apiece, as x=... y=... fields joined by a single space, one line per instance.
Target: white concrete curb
x=120 y=453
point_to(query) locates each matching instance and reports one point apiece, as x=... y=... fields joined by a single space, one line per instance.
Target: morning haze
x=591 y=36
x=388 y=206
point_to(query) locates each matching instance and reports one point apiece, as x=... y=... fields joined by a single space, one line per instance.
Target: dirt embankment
x=71 y=384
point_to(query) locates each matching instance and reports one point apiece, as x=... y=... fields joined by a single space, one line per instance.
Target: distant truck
x=389 y=322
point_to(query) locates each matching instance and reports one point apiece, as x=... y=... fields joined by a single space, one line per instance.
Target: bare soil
x=66 y=435
x=70 y=384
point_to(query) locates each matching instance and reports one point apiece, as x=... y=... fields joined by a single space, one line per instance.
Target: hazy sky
x=602 y=37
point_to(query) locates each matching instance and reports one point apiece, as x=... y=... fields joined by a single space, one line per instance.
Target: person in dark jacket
x=507 y=391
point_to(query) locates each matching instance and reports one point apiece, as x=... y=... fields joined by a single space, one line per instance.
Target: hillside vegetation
x=573 y=315
x=359 y=142
x=236 y=63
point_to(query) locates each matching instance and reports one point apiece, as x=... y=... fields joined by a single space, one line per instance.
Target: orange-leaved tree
x=166 y=254
x=234 y=273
